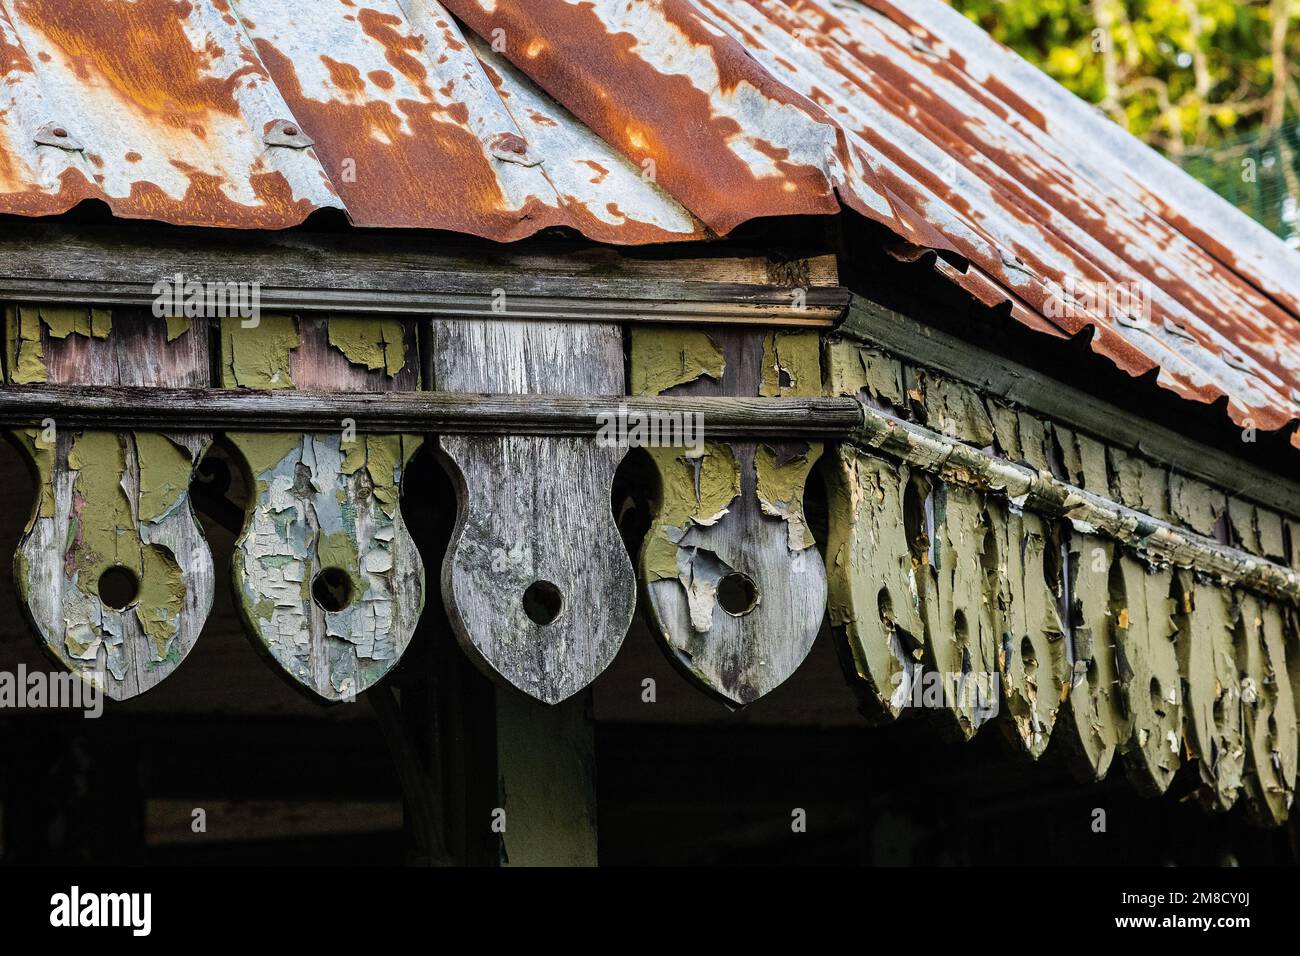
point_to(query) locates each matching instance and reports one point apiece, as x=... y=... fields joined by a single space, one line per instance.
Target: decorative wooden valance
x=1127 y=609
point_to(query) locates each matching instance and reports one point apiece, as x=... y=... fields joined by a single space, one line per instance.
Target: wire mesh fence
x=1260 y=175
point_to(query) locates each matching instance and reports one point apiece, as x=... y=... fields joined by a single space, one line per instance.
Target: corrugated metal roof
x=255 y=114
x=649 y=121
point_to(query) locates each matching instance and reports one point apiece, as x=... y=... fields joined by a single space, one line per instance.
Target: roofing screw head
x=52 y=134
x=511 y=148
x=1237 y=360
x=283 y=133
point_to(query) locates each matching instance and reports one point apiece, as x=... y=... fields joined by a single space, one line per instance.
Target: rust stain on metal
x=648 y=122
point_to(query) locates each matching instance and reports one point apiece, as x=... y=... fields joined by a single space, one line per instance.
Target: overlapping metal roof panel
x=649 y=121
x=257 y=113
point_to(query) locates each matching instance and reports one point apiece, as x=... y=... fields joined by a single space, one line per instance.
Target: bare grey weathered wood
x=448 y=413
x=534 y=510
x=299 y=272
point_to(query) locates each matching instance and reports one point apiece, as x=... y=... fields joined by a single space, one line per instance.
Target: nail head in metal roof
x=511 y=148
x=284 y=133
x=1237 y=360
x=54 y=134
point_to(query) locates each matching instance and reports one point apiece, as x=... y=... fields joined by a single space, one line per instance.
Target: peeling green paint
x=177 y=325
x=791 y=364
x=871 y=575
x=954 y=594
x=263 y=451
x=1034 y=441
x=663 y=357
x=65 y=321
x=951 y=407
x=161 y=600
x=1032 y=656
x=1270 y=733
x=42 y=455
x=780 y=488
x=321 y=503
x=1207 y=665
x=1150 y=683
x=693 y=490
x=27 y=358
x=258 y=356
x=1195 y=504
x=374 y=343
x=1092 y=723
x=165 y=473
x=1139 y=484
x=1272 y=541
x=851 y=368
x=102 y=515
x=1242 y=516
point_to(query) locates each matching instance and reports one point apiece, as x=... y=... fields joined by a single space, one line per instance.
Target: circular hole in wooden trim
x=543 y=602
x=118 y=587
x=1028 y=657
x=737 y=594
x=332 y=589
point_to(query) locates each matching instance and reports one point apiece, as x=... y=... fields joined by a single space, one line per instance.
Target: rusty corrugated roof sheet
x=652 y=121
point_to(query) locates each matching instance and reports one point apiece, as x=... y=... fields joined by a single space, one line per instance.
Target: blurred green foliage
x=1180 y=74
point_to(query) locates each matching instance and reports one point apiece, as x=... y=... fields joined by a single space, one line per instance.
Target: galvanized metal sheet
x=253 y=114
x=653 y=121
x=912 y=116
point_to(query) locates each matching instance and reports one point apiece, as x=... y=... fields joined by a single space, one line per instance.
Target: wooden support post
x=488 y=776
x=546 y=760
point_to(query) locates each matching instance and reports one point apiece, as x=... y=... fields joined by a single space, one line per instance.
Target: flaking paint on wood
x=326 y=504
x=1092 y=723
x=730 y=515
x=1150 y=683
x=1268 y=706
x=1211 y=627
x=111 y=500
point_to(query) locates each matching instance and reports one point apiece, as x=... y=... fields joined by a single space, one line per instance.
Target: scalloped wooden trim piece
x=732 y=512
x=1269 y=707
x=326 y=501
x=1033 y=657
x=1092 y=723
x=534 y=509
x=111 y=500
x=871 y=577
x=1149 y=680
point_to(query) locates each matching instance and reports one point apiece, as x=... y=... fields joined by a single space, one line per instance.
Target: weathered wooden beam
x=443 y=412
x=1041 y=492
x=413 y=276
x=842 y=418
x=992 y=375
